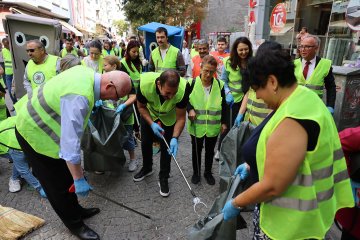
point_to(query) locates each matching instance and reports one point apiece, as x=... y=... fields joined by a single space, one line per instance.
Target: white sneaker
x=133 y=165
x=217 y=155
x=14 y=185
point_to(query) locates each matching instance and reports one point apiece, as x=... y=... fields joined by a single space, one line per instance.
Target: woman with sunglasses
x=95 y=59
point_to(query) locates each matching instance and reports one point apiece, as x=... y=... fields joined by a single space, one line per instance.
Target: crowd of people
x=293 y=158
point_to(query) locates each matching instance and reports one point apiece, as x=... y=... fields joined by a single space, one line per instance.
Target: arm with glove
x=129 y=101
x=240 y=117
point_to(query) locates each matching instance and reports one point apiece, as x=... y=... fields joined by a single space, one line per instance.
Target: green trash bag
x=103 y=140
x=230 y=152
x=213 y=225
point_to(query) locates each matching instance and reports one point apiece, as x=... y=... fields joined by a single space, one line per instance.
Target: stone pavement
x=171 y=217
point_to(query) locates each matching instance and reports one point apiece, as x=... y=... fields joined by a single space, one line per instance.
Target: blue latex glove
x=82 y=187
x=356 y=192
x=238 y=120
x=173 y=146
x=230 y=211
x=157 y=129
x=42 y=193
x=120 y=108
x=99 y=103
x=242 y=171
x=331 y=110
x=229 y=99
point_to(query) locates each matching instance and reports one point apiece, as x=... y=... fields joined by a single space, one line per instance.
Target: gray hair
x=316 y=38
x=38 y=43
x=203 y=42
x=69 y=61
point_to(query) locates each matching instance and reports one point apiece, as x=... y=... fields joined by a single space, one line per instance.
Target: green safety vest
x=131 y=119
x=85 y=51
x=7 y=135
x=256 y=109
x=322 y=186
x=40 y=73
x=39 y=123
x=235 y=80
x=116 y=51
x=105 y=53
x=166 y=111
x=207 y=109
x=169 y=61
x=7 y=61
x=316 y=81
x=193 y=53
x=3 y=114
x=100 y=64
x=64 y=52
x=134 y=75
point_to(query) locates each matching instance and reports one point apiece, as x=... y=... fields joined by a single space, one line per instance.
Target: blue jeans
x=130 y=143
x=8 y=83
x=21 y=168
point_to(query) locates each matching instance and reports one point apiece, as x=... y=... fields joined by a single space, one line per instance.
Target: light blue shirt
x=74 y=109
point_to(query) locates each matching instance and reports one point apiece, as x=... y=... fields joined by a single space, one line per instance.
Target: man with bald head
x=49 y=129
x=41 y=66
x=162 y=100
x=315 y=72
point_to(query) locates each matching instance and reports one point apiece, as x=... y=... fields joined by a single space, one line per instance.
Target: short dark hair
x=69 y=39
x=305 y=28
x=271 y=62
x=208 y=59
x=222 y=39
x=96 y=44
x=133 y=37
x=161 y=29
x=170 y=77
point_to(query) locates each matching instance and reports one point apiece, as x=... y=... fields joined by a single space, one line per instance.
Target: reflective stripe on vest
x=207 y=109
x=40 y=73
x=321 y=186
x=7 y=61
x=64 y=52
x=39 y=123
x=316 y=81
x=165 y=111
x=134 y=75
x=169 y=61
x=235 y=80
x=257 y=110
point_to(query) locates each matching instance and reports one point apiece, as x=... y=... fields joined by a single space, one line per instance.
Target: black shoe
x=195 y=179
x=89 y=212
x=164 y=187
x=142 y=174
x=209 y=178
x=85 y=233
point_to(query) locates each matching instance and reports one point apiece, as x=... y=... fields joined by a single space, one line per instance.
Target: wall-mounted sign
x=278 y=17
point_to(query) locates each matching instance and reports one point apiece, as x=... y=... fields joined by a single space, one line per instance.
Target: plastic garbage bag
x=103 y=140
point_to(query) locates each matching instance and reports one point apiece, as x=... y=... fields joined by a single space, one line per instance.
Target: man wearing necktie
x=314 y=72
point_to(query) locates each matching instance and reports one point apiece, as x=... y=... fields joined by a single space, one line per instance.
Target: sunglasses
x=31 y=50
x=117 y=95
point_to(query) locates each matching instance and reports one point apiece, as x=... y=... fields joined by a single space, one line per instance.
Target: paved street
x=171 y=217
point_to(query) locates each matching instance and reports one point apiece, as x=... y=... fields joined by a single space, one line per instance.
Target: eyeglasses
x=306 y=47
x=204 y=71
x=30 y=50
x=117 y=95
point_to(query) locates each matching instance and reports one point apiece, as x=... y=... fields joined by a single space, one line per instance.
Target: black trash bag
x=230 y=152
x=103 y=140
x=213 y=225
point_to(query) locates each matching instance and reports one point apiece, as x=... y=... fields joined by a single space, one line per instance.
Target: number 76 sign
x=278 y=17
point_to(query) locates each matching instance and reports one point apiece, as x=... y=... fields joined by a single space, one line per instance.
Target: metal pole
x=293 y=33
x=327 y=33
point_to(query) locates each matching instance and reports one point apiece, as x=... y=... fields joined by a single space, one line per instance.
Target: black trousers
x=147 y=139
x=230 y=118
x=210 y=143
x=56 y=179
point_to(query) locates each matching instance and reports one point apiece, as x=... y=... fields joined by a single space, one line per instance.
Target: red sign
x=278 y=17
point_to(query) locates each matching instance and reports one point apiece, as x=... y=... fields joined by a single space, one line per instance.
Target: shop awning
x=286 y=28
x=71 y=28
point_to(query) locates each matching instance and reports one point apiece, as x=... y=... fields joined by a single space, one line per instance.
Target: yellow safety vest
x=321 y=187
x=7 y=61
x=256 y=109
x=39 y=123
x=207 y=109
x=169 y=61
x=134 y=75
x=166 y=111
x=193 y=53
x=3 y=114
x=235 y=80
x=105 y=53
x=40 y=73
x=7 y=135
x=316 y=81
x=100 y=64
x=64 y=52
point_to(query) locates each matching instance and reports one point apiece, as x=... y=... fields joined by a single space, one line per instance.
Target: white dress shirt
x=311 y=66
